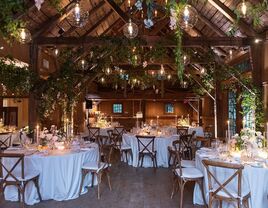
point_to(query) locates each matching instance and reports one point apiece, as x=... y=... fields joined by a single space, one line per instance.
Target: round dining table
x=161 y=146
x=60 y=173
x=255 y=180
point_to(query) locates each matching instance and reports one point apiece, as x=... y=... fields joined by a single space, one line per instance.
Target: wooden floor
x=132 y=188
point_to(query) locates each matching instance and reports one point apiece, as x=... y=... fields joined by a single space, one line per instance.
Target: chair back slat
x=146 y=144
x=120 y=130
x=94 y=133
x=182 y=130
x=216 y=185
x=6 y=142
x=9 y=171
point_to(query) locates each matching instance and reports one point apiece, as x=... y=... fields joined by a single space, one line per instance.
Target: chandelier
x=79 y=15
x=188 y=17
x=243 y=8
x=147 y=12
x=130 y=30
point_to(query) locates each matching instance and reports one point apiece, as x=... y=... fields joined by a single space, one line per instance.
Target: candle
x=244 y=123
x=67 y=127
x=228 y=130
x=155 y=13
x=157 y=117
x=176 y=120
x=111 y=119
x=37 y=134
x=128 y=3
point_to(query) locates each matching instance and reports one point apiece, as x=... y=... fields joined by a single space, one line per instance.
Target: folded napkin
x=85 y=148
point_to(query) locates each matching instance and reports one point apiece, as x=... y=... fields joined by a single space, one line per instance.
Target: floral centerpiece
x=183 y=121
x=102 y=122
x=52 y=137
x=248 y=139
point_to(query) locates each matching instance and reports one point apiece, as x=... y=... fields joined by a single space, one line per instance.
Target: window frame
x=173 y=108
x=121 y=107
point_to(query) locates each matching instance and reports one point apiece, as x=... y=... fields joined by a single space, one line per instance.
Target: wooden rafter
x=229 y=14
x=151 y=40
x=118 y=10
x=53 y=21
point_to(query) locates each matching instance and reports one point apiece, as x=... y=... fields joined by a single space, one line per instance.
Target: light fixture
x=24 y=35
x=169 y=76
x=102 y=80
x=79 y=16
x=162 y=71
x=185 y=59
x=56 y=52
x=130 y=30
x=1 y=47
x=188 y=17
x=184 y=84
x=108 y=71
x=243 y=8
x=82 y=63
x=257 y=40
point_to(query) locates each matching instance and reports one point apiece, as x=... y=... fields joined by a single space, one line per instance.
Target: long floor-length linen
x=161 y=146
x=60 y=175
x=255 y=180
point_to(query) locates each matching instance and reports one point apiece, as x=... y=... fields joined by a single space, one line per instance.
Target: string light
x=56 y=52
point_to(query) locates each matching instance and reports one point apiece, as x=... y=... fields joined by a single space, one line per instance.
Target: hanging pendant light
x=162 y=72
x=24 y=35
x=82 y=64
x=79 y=16
x=56 y=52
x=130 y=30
x=188 y=17
x=243 y=8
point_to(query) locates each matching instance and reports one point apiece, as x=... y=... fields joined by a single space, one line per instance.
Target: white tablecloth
x=60 y=175
x=199 y=130
x=255 y=179
x=161 y=146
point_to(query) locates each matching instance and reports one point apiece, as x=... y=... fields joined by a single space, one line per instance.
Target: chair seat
x=188 y=163
x=190 y=173
x=27 y=176
x=171 y=149
x=125 y=147
x=95 y=166
x=233 y=193
x=147 y=152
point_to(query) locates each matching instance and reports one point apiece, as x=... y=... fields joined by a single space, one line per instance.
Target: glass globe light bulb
x=188 y=17
x=244 y=8
x=130 y=30
x=24 y=35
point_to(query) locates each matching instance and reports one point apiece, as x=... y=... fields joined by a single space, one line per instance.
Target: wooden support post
x=33 y=105
x=162 y=88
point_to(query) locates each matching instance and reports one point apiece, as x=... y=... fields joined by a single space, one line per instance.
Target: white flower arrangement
x=248 y=138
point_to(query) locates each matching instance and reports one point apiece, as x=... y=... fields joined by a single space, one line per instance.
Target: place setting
x=134 y=103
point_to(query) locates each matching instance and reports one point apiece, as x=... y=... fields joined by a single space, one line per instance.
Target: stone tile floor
x=132 y=188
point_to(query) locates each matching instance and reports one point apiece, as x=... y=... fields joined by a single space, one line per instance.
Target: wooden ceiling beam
x=56 y=19
x=150 y=41
x=118 y=10
x=229 y=14
x=208 y=23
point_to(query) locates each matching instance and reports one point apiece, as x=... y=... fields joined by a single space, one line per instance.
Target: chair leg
x=36 y=183
x=99 y=183
x=82 y=182
x=155 y=162
x=182 y=183
x=23 y=195
x=220 y=203
x=175 y=182
x=169 y=159
x=142 y=160
x=92 y=177
x=108 y=179
x=126 y=156
x=200 y=183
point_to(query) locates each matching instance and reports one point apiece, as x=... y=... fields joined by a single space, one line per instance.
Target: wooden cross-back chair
x=98 y=168
x=182 y=130
x=146 y=146
x=187 y=142
x=120 y=130
x=219 y=190
x=117 y=144
x=5 y=142
x=182 y=175
x=15 y=176
x=93 y=133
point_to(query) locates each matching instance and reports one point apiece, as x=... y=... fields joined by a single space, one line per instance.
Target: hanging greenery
x=14 y=79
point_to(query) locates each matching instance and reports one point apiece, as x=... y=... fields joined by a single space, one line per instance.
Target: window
x=117 y=108
x=169 y=108
x=232 y=111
